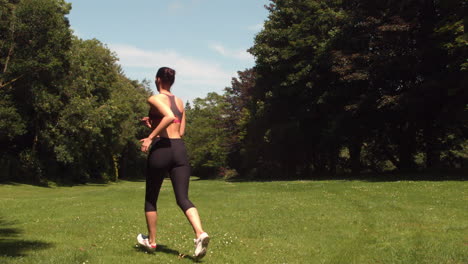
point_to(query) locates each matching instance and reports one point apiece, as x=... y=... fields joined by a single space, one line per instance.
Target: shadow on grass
x=447 y=175
x=170 y=251
x=13 y=245
x=444 y=175
x=18 y=183
x=133 y=179
x=51 y=184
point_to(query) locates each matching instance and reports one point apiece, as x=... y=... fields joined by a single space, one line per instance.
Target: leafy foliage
x=338 y=86
x=68 y=112
x=205 y=137
x=357 y=85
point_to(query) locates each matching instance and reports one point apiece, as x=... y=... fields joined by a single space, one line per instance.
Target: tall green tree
x=292 y=117
x=355 y=85
x=395 y=50
x=206 y=136
x=236 y=113
x=68 y=111
x=11 y=125
x=102 y=110
x=37 y=41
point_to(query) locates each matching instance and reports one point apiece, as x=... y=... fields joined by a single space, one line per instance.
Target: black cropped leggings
x=167 y=156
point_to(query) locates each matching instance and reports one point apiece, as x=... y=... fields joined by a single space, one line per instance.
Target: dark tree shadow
x=13 y=245
x=170 y=251
x=427 y=175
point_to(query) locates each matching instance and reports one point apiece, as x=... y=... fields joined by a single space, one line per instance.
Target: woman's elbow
x=170 y=119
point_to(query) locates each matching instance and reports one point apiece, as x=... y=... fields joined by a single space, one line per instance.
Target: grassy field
x=249 y=222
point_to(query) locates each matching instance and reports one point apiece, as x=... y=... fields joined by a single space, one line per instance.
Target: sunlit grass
x=256 y=222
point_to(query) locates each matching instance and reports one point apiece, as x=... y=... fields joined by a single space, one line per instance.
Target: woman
x=167 y=154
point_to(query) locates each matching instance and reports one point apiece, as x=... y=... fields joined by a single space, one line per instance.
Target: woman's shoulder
x=179 y=102
x=153 y=99
x=156 y=97
x=177 y=99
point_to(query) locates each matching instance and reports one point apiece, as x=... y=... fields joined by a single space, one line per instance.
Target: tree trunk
x=10 y=53
x=355 y=148
x=115 y=162
x=432 y=148
x=407 y=148
x=333 y=160
x=319 y=163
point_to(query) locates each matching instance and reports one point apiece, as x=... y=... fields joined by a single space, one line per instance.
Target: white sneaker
x=143 y=241
x=201 y=244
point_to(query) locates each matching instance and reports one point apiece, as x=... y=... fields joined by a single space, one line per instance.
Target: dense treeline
x=346 y=86
x=67 y=111
x=338 y=87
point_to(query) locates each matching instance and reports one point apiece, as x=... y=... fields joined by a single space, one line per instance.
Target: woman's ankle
x=198 y=234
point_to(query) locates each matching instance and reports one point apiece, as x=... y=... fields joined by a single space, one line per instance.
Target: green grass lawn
x=249 y=222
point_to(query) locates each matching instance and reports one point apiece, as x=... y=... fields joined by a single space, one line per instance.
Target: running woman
x=167 y=154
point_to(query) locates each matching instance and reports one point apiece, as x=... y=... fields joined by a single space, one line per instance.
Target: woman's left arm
x=182 y=124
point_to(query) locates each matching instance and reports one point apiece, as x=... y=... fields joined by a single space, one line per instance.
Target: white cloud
x=76 y=32
x=235 y=54
x=256 y=27
x=176 y=5
x=179 y=5
x=189 y=71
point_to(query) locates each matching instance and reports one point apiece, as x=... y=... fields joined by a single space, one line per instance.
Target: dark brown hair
x=166 y=74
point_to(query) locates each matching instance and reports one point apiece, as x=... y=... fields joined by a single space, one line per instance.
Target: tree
x=292 y=120
x=68 y=111
x=236 y=116
x=355 y=85
x=205 y=136
x=412 y=109
x=102 y=109
x=35 y=48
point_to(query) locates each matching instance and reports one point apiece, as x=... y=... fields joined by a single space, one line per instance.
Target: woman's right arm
x=167 y=119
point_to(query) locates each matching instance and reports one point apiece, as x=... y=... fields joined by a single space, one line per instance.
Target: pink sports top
x=156 y=117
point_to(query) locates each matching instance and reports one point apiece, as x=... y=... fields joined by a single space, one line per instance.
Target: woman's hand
x=146 y=144
x=145 y=120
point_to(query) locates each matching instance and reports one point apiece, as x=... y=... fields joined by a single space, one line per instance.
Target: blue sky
x=205 y=41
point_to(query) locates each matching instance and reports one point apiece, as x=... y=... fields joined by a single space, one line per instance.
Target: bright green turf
x=256 y=222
